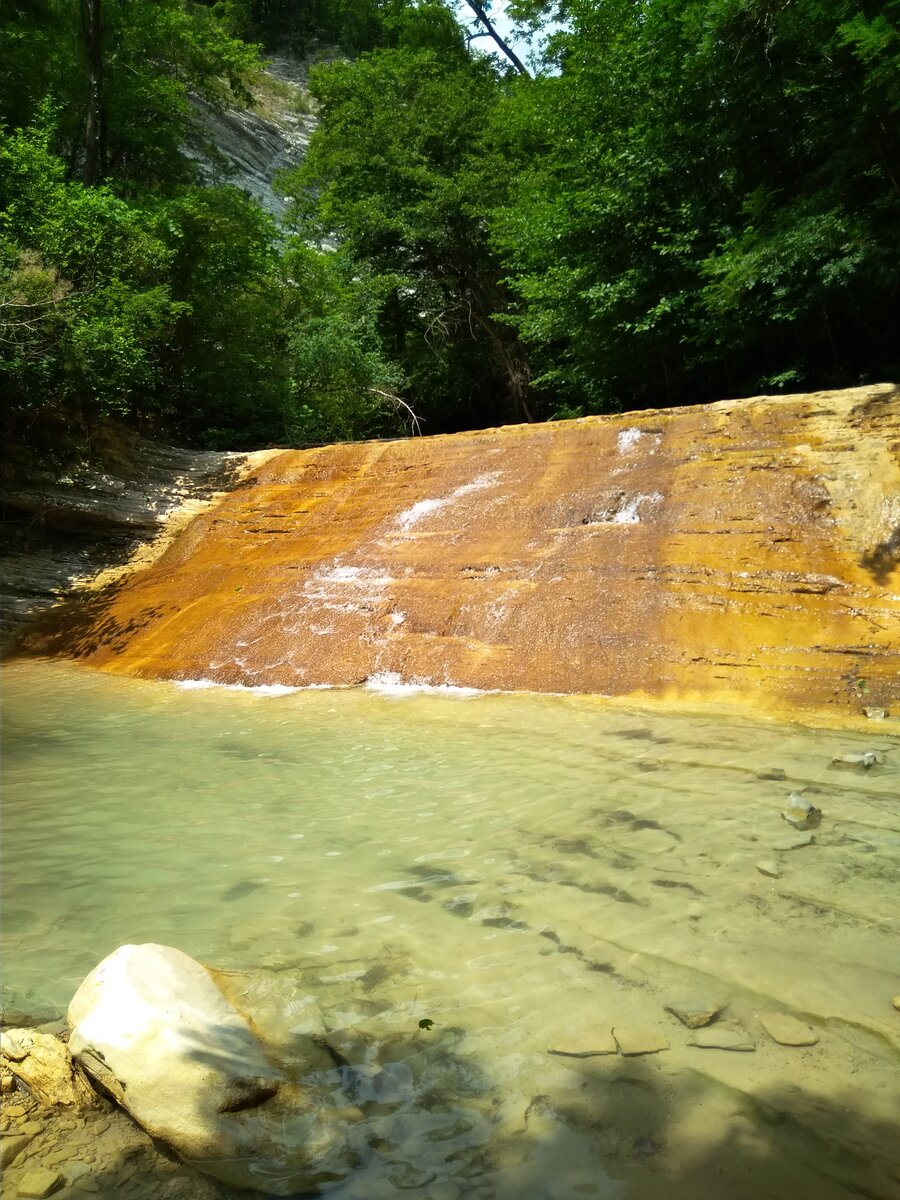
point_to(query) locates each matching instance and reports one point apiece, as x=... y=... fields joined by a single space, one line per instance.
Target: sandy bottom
x=527 y=873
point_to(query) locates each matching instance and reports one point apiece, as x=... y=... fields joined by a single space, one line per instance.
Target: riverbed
x=473 y=890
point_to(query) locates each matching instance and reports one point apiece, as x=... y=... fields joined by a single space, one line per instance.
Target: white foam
x=630 y=514
x=628 y=438
x=360 y=576
x=261 y=689
x=390 y=683
x=422 y=508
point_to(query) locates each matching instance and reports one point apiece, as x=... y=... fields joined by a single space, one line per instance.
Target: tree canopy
x=683 y=200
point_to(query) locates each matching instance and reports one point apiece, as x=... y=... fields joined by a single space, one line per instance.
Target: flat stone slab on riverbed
x=40 y=1182
x=597 y=1044
x=725 y=1036
x=639 y=1041
x=787 y=1030
x=695 y=1013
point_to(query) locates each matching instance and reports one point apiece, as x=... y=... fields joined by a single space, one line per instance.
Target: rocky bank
x=81 y=526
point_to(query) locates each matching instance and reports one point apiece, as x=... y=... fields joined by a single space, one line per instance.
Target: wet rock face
x=735 y=554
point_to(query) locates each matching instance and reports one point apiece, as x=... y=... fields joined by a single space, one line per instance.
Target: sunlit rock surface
x=744 y=554
x=153 y=1028
x=248 y=147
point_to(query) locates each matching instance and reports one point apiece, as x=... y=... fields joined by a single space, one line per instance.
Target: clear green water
x=527 y=872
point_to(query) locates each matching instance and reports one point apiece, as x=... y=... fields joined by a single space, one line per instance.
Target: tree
x=715 y=211
x=394 y=174
x=122 y=74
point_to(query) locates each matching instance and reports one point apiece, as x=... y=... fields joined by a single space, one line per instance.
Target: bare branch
x=506 y=49
x=415 y=423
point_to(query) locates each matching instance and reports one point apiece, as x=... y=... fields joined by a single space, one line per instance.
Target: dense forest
x=673 y=201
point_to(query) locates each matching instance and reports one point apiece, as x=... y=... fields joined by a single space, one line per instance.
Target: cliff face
x=746 y=553
x=248 y=147
x=60 y=528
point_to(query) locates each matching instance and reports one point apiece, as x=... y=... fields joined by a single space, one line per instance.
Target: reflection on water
x=527 y=873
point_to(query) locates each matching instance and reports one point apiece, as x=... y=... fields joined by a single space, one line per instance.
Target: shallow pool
x=525 y=872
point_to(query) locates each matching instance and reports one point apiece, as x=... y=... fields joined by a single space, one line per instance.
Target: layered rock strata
x=60 y=528
x=745 y=554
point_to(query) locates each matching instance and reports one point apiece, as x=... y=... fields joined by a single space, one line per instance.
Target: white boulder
x=150 y=1025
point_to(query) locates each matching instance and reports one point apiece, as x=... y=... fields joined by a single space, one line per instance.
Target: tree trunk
x=506 y=49
x=93 y=126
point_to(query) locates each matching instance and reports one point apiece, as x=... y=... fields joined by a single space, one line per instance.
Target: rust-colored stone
x=745 y=553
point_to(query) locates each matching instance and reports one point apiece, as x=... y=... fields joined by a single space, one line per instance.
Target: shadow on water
x=619 y=1135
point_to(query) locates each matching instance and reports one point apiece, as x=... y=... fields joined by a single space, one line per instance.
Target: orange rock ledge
x=743 y=554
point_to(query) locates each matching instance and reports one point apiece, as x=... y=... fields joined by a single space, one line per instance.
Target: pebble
x=875 y=714
x=7 y=1082
x=33 y=1128
x=895 y=1000
x=14 y=1110
x=640 y=1041
x=40 y=1182
x=87 y=1184
x=787 y=1030
x=727 y=1035
x=695 y=1013
x=768 y=866
x=11 y=1148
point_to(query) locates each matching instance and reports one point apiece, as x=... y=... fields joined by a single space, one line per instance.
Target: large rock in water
x=745 y=553
x=154 y=1030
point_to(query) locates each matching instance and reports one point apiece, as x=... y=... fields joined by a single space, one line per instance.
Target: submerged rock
x=151 y=1026
x=800 y=813
x=727 y=1035
x=598 y=1043
x=11 y=1147
x=768 y=866
x=787 y=1030
x=40 y=1182
x=695 y=1013
x=865 y=761
x=640 y=1041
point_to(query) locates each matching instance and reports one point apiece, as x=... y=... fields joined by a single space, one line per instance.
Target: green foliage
x=703 y=200
x=716 y=209
x=394 y=174
x=154 y=58
x=344 y=386
x=226 y=380
x=97 y=278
